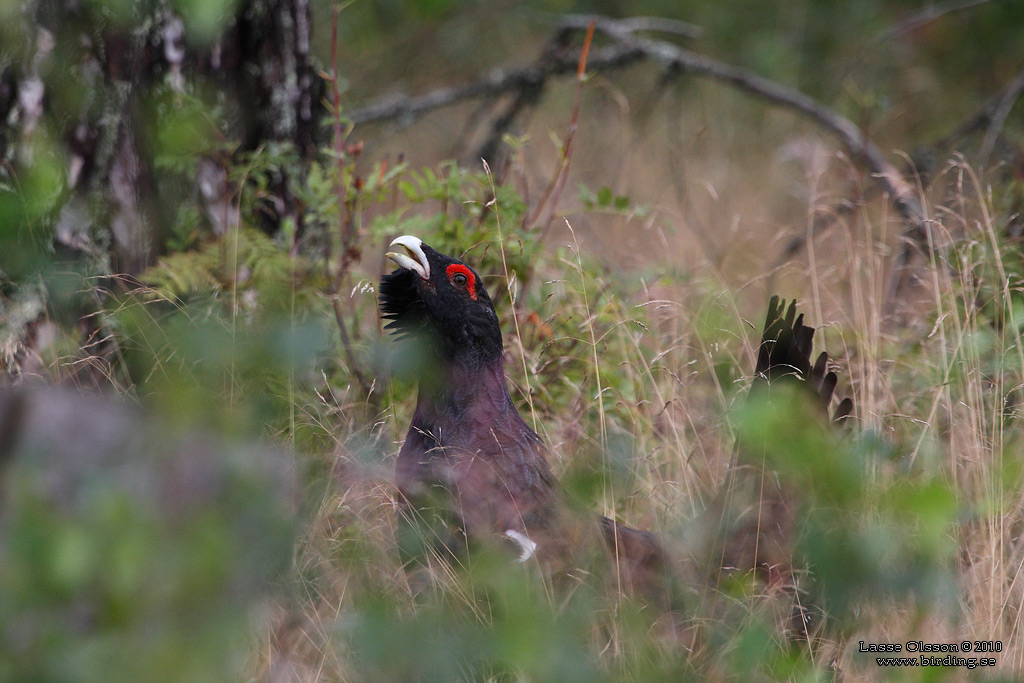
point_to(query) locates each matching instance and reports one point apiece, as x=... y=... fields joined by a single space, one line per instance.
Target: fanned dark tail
x=753 y=518
x=785 y=351
x=784 y=355
x=749 y=532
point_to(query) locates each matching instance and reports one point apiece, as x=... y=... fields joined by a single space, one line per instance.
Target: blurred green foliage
x=133 y=551
x=868 y=531
x=506 y=629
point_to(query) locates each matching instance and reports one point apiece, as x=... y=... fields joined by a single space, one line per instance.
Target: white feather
x=527 y=547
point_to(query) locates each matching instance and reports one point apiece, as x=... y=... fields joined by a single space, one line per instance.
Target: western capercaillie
x=468 y=443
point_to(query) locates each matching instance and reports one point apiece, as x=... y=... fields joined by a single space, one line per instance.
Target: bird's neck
x=464 y=393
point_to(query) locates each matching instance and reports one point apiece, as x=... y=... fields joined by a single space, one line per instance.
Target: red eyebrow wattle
x=470 y=279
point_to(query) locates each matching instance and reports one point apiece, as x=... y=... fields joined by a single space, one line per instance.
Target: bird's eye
x=460 y=276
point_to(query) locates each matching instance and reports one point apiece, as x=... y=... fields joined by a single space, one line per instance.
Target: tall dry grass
x=662 y=357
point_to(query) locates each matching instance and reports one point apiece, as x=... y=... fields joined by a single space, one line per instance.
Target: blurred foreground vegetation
x=199 y=412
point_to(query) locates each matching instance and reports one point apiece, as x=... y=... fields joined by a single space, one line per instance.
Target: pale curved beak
x=413 y=247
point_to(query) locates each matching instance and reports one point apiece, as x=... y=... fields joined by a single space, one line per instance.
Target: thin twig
x=345 y=226
x=511 y=296
x=982 y=117
x=346 y=345
x=527 y=96
x=546 y=206
x=822 y=220
x=1010 y=95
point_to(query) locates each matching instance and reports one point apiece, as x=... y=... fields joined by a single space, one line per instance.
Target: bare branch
x=850 y=135
x=491 y=149
x=497 y=82
x=981 y=118
x=984 y=116
x=853 y=139
x=635 y=24
x=820 y=221
x=546 y=206
x=930 y=14
x=631 y=48
x=1011 y=93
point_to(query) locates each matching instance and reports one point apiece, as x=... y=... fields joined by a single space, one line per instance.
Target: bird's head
x=439 y=301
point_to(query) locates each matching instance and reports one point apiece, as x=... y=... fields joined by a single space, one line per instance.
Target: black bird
x=468 y=441
x=467 y=438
